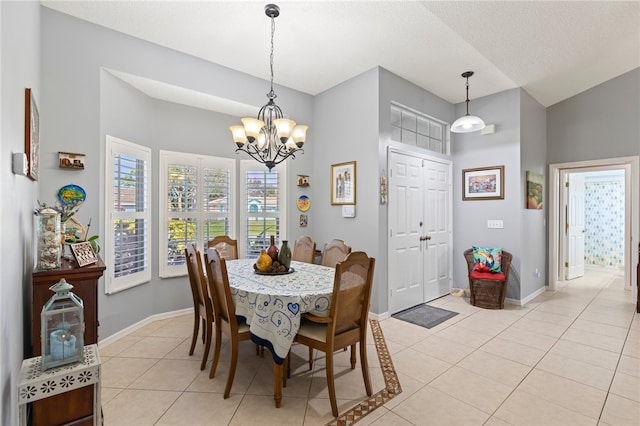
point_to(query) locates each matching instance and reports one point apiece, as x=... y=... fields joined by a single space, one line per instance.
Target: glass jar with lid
x=49 y=240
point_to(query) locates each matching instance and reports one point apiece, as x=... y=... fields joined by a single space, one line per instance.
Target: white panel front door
x=419 y=230
x=575 y=226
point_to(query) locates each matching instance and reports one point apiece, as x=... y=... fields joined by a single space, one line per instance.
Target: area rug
x=392 y=384
x=425 y=315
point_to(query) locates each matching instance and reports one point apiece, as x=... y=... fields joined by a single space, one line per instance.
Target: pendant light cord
x=467 y=95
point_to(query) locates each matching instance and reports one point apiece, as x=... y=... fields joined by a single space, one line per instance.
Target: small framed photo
x=303 y=180
x=84 y=254
x=73 y=231
x=304 y=220
x=484 y=183
x=70 y=160
x=31 y=134
x=343 y=183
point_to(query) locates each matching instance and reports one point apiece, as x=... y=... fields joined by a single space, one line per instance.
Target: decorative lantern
x=62 y=333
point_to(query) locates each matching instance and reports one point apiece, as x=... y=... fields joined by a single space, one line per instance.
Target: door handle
x=425 y=238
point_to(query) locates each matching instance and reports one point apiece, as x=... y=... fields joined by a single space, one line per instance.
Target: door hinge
x=566 y=184
x=566 y=264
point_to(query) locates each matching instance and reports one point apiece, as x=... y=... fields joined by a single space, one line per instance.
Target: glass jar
x=49 y=240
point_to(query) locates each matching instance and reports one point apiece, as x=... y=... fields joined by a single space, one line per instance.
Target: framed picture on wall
x=484 y=183
x=31 y=134
x=343 y=183
x=535 y=190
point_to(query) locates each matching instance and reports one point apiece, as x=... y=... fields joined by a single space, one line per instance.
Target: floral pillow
x=487 y=259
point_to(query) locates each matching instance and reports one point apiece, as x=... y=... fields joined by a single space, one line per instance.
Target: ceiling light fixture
x=467 y=123
x=271 y=138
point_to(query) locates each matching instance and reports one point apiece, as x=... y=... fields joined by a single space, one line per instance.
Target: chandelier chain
x=273 y=31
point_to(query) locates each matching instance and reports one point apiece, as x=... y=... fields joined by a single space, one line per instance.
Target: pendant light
x=467 y=123
x=271 y=137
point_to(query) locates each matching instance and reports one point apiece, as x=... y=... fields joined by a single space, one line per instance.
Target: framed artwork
x=304 y=220
x=70 y=160
x=485 y=183
x=84 y=254
x=303 y=203
x=31 y=134
x=73 y=230
x=535 y=189
x=343 y=183
x=303 y=180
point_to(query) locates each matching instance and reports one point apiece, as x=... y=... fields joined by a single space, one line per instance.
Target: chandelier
x=467 y=123
x=270 y=138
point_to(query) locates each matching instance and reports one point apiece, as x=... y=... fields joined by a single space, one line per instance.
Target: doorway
x=419 y=222
x=560 y=241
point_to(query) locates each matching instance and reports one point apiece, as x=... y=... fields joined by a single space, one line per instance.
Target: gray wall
x=533 y=153
x=82 y=103
x=20 y=68
x=603 y=122
x=346 y=129
x=472 y=150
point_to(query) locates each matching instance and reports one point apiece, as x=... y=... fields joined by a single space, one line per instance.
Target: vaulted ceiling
x=552 y=49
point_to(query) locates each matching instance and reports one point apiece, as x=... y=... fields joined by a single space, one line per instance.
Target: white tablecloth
x=273 y=304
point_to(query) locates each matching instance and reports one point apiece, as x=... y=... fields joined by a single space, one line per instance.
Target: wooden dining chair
x=334 y=252
x=347 y=322
x=225 y=314
x=202 y=305
x=227 y=247
x=304 y=250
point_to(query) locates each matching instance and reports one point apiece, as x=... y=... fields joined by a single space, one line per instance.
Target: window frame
x=200 y=215
x=246 y=165
x=115 y=146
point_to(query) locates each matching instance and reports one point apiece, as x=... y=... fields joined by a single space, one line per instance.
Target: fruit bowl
x=275 y=269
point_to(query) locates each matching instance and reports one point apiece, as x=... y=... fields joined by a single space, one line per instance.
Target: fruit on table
x=264 y=261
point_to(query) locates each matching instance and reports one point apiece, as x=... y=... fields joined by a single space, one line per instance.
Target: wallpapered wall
x=604 y=220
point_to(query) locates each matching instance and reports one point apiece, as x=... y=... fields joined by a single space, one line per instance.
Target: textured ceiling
x=553 y=50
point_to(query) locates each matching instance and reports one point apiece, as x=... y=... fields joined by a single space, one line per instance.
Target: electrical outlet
x=495 y=224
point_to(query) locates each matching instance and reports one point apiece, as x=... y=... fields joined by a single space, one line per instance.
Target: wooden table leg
x=277 y=384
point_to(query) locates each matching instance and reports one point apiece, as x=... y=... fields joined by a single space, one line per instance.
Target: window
x=262 y=204
x=127 y=233
x=196 y=204
x=414 y=128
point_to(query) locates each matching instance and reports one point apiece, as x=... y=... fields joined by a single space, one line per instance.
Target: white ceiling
x=553 y=50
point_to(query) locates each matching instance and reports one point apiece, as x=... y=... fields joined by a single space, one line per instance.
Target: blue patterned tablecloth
x=273 y=305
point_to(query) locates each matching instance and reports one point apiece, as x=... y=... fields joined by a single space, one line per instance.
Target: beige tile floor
x=569 y=357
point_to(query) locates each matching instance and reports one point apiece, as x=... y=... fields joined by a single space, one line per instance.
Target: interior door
x=437 y=230
x=575 y=226
x=406 y=189
x=419 y=230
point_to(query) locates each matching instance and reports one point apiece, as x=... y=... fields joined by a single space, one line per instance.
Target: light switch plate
x=20 y=165
x=348 y=211
x=495 y=224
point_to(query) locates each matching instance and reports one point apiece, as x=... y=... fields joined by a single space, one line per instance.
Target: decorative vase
x=49 y=239
x=285 y=255
x=264 y=261
x=272 y=251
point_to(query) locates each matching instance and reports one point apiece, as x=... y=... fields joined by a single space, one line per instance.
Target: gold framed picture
x=483 y=183
x=343 y=183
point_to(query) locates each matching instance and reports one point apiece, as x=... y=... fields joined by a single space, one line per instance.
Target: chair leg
x=331 y=384
x=216 y=352
x=365 y=366
x=207 y=346
x=204 y=328
x=232 y=367
x=310 y=357
x=196 y=330
x=353 y=356
x=285 y=372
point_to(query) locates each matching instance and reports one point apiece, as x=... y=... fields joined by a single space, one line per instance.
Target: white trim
x=527 y=299
x=632 y=207
x=379 y=317
x=148 y=320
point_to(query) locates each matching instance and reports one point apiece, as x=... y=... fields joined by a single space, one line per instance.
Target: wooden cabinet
x=75 y=407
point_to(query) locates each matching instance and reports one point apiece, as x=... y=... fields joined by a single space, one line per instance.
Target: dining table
x=272 y=304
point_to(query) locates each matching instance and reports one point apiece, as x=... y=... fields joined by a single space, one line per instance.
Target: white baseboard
x=165 y=315
x=527 y=299
x=379 y=317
